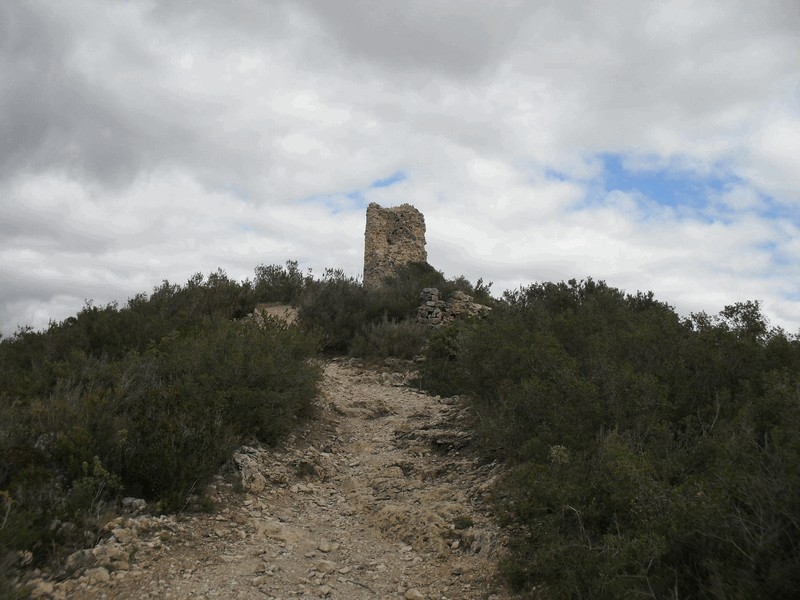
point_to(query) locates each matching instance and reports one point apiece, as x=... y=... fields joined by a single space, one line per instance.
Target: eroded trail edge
x=381 y=497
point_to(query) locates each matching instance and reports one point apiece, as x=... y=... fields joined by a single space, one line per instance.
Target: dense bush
x=148 y=400
x=336 y=308
x=398 y=297
x=274 y=283
x=400 y=339
x=370 y=321
x=191 y=399
x=652 y=455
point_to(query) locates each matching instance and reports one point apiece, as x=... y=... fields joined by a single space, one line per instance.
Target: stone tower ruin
x=394 y=237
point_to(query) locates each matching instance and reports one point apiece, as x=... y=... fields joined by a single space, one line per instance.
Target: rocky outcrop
x=435 y=311
x=393 y=237
x=274 y=310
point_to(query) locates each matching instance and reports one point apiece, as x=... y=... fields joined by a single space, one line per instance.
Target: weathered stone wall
x=435 y=311
x=393 y=237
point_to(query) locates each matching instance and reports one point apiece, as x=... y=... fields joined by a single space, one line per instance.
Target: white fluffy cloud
x=147 y=140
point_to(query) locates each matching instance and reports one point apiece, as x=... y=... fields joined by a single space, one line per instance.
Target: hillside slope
x=378 y=498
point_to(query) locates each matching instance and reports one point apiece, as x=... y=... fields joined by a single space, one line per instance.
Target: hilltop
x=577 y=439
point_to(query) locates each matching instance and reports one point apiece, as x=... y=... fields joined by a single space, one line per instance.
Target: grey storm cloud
x=57 y=113
x=451 y=38
x=62 y=108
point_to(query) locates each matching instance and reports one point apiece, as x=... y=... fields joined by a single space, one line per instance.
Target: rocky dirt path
x=378 y=498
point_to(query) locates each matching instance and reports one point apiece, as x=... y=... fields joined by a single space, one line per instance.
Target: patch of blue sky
x=690 y=193
x=355 y=199
x=333 y=203
x=771 y=246
x=675 y=187
x=765 y=206
x=556 y=175
x=777 y=254
x=778 y=210
x=397 y=177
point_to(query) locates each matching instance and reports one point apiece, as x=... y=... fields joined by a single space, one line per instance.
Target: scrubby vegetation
x=376 y=322
x=653 y=455
x=149 y=399
x=146 y=400
x=650 y=454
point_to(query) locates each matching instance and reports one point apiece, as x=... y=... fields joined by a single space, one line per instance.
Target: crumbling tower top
x=394 y=237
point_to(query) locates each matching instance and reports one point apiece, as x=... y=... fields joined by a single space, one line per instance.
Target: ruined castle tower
x=394 y=237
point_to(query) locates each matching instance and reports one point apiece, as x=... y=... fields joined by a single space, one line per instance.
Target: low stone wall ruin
x=436 y=312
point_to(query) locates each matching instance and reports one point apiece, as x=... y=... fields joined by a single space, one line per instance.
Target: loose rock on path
x=380 y=497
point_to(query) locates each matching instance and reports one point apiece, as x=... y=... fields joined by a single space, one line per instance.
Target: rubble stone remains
x=394 y=237
x=435 y=311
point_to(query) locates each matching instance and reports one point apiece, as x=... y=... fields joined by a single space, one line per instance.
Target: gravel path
x=380 y=497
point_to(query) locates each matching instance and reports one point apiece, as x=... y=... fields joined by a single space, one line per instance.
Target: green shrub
x=347 y=315
x=404 y=339
x=274 y=283
x=180 y=408
x=336 y=308
x=80 y=428
x=398 y=296
x=650 y=455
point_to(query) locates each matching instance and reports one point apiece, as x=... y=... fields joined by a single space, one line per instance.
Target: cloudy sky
x=655 y=145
